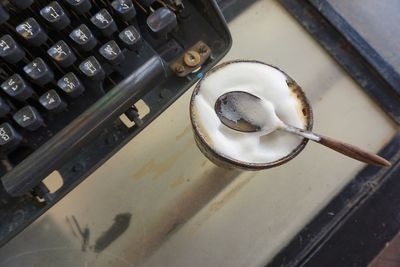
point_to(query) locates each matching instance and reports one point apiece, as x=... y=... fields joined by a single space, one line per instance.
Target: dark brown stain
x=119 y=226
x=157 y=168
x=178 y=181
x=190 y=201
x=304 y=111
x=216 y=205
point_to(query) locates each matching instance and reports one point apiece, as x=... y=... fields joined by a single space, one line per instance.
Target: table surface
x=160 y=202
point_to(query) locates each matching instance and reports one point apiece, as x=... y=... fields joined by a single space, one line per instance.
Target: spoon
x=244 y=112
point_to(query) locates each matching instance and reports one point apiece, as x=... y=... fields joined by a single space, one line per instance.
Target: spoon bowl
x=245 y=112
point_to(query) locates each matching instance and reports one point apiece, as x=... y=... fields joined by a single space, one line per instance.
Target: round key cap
x=71 y=85
x=39 y=72
x=29 y=118
x=17 y=88
x=131 y=38
x=124 y=9
x=92 y=69
x=31 y=31
x=161 y=22
x=104 y=22
x=9 y=137
x=55 y=15
x=83 y=37
x=52 y=101
x=62 y=54
x=10 y=51
x=112 y=53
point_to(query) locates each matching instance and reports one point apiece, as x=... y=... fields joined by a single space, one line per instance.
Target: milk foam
x=260 y=80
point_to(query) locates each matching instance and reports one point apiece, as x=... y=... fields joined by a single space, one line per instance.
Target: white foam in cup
x=259 y=79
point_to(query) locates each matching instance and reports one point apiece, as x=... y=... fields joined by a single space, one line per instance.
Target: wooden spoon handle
x=341 y=147
x=353 y=151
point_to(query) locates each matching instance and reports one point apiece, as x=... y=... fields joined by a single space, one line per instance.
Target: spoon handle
x=341 y=147
x=354 y=152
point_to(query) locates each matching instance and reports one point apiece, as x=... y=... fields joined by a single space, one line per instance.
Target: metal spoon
x=244 y=112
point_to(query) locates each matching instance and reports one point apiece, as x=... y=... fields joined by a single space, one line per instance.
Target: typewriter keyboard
x=59 y=57
x=74 y=78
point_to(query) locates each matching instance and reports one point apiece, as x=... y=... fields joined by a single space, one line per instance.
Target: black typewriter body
x=70 y=68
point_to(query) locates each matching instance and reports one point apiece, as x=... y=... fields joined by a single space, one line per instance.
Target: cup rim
x=238 y=163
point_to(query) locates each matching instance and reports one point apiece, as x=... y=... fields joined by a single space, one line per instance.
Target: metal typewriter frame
x=102 y=121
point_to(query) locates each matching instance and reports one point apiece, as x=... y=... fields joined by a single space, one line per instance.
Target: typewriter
x=71 y=69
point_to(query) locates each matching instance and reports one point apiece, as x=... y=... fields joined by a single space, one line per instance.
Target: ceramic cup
x=205 y=143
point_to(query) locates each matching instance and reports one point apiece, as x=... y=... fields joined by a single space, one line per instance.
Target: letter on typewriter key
x=84 y=38
x=4 y=107
x=71 y=85
x=31 y=31
x=62 y=54
x=22 y=4
x=39 y=72
x=4 y=16
x=80 y=6
x=17 y=88
x=29 y=118
x=9 y=137
x=10 y=50
x=112 y=53
x=92 y=69
x=161 y=22
x=131 y=38
x=55 y=14
x=104 y=22
x=124 y=8
x=52 y=101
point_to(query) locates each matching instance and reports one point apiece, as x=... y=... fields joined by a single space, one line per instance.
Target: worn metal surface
x=198 y=53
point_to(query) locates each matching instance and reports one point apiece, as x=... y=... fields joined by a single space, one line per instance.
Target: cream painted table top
x=183 y=210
